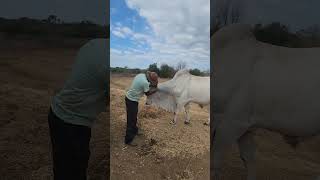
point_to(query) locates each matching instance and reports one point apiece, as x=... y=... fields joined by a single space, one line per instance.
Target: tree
x=181 y=65
x=52 y=19
x=274 y=33
x=224 y=12
x=312 y=32
x=87 y=22
x=216 y=25
x=136 y=71
x=196 y=72
x=235 y=14
x=154 y=68
x=166 y=71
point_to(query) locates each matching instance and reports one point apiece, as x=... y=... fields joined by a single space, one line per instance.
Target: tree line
x=231 y=12
x=164 y=71
x=52 y=26
x=280 y=34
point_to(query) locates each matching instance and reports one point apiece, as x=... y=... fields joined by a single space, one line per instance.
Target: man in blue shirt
x=141 y=84
x=74 y=109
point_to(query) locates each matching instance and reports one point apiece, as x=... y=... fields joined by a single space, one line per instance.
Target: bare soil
x=276 y=160
x=165 y=151
x=29 y=77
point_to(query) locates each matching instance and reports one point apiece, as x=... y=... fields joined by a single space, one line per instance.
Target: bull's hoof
x=186 y=122
x=173 y=122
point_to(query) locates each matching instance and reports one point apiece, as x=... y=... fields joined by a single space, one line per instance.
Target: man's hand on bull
x=153 y=85
x=151 y=90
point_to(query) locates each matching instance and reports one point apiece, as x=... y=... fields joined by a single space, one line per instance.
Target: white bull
x=258 y=85
x=177 y=94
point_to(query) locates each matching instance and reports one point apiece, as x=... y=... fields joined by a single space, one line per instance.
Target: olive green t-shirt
x=139 y=86
x=84 y=93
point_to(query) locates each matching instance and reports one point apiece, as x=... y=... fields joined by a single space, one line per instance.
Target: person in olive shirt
x=141 y=84
x=74 y=109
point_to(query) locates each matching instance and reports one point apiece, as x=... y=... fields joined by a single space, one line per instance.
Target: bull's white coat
x=176 y=94
x=258 y=85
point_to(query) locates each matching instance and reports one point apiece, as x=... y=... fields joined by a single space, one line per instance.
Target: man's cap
x=152 y=77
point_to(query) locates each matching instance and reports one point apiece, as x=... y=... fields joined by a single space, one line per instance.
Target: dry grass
x=29 y=79
x=163 y=145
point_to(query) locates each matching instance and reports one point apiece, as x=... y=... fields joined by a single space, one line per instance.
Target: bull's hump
x=181 y=72
x=235 y=30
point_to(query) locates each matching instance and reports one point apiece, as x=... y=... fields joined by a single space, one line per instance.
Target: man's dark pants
x=70 y=149
x=132 y=112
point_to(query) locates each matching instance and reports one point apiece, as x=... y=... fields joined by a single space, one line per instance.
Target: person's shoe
x=132 y=143
x=139 y=133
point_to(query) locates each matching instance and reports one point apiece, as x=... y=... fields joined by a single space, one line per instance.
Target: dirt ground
x=276 y=160
x=30 y=74
x=164 y=151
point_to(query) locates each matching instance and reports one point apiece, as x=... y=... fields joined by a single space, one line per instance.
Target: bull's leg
x=187 y=115
x=217 y=118
x=174 y=120
x=235 y=123
x=208 y=121
x=226 y=134
x=247 y=153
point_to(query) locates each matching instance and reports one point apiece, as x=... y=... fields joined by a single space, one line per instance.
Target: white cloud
x=121 y=31
x=136 y=51
x=127 y=30
x=142 y=37
x=180 y=29
x=118 y=33
x=115 y=51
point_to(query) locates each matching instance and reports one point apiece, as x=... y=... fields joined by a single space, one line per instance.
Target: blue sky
x=145 y=32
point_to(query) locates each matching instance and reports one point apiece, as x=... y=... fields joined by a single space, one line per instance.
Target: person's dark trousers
x=132 y=112
x=70 y=149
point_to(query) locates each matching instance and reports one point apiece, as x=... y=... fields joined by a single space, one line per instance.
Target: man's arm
x=151 y=91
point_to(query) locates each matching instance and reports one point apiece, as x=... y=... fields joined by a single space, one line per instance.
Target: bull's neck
x=167 y=87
